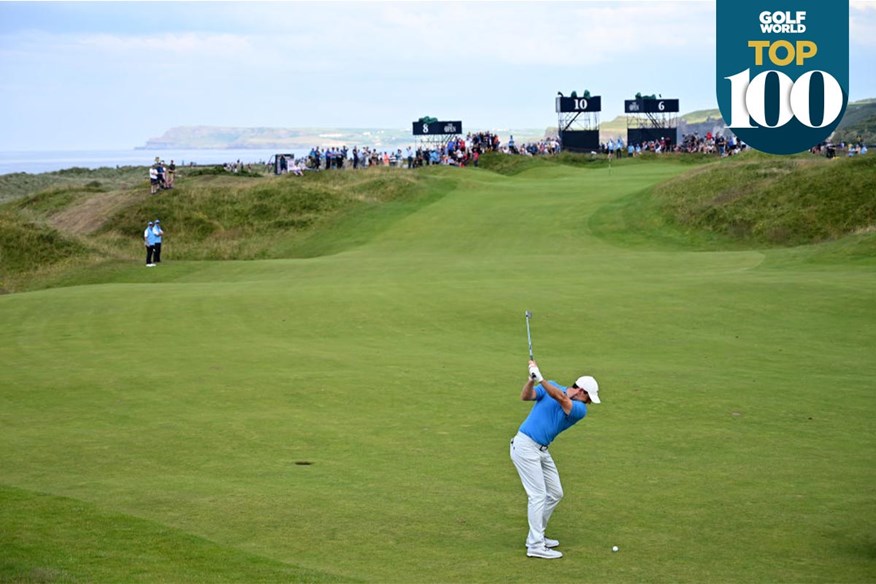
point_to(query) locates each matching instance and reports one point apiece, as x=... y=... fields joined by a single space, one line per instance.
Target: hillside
x=775 y=201
x=859 y=123
x=753 y=200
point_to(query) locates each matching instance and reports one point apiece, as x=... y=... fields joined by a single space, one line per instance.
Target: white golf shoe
x=543 y=552
x=549 y=543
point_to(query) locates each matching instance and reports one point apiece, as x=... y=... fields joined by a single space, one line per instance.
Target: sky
x=111 y=75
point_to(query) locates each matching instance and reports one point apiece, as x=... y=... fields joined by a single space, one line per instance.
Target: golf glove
x=535 y=374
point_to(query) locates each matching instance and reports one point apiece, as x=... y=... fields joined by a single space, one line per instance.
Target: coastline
x=38 y=162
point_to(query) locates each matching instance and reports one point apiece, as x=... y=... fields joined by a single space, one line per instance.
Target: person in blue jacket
x=157 y=233
x=556 y=409
x=149 y=242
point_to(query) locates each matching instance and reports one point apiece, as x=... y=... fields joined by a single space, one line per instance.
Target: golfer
x=556 y=408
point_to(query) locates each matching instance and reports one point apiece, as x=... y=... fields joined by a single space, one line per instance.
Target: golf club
x=528 y=334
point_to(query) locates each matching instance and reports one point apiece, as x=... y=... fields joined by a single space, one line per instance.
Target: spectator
x=153 y=180
x=161 y=178
x=149 y=242
x=157 y=233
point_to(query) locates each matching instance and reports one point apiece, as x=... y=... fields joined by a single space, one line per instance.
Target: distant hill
x=218 y=137
x=701 y=122
x=859 y=123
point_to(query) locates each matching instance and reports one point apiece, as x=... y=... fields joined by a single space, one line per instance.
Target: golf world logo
x=782 y=71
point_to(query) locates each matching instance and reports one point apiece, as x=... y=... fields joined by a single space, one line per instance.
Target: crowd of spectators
x=161 y=175
x=689 y=144
x=238 y=167
x=831 y=150
x=546 y=146
x=458 y=151
x=711 y=144
x=467 y=150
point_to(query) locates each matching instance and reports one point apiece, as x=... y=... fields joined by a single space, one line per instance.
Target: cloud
x=305 y=36
x=862 y=23
x=517 y=33
x=559 y=34
x=93 y=50
x=201 y=44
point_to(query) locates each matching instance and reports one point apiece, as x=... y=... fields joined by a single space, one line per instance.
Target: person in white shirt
x=153 y=180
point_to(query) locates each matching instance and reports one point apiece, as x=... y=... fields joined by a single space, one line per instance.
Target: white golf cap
x=589 y=385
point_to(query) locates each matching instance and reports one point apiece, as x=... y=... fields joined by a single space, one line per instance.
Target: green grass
x=753 y=200
x=154 y=422
x=56 y=539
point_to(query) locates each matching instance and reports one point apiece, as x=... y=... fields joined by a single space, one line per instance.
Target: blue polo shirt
x=547 y=418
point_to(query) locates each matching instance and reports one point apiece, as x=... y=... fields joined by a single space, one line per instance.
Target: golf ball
x=614 y=548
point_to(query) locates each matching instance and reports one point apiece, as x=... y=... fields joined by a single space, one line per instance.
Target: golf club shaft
x=529 y=334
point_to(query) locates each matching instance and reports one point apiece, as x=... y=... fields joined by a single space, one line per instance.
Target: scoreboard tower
x=436 y=135
x=651 y=119
x=578 y=123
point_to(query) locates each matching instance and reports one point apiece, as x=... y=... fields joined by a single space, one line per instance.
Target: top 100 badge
x=782 y=70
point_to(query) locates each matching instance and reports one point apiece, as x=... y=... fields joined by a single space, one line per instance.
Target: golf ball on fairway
x=614 y=548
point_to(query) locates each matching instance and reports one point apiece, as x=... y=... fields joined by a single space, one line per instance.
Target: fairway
x=346 y=418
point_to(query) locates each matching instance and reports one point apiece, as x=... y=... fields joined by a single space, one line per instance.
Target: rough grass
x=775 y=200
x=220 y=217
x=27 y=246
x=20 y=184
x=207 y=216
x=751 y=201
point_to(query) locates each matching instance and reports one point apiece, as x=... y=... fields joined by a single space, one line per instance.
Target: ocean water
x=35 y=162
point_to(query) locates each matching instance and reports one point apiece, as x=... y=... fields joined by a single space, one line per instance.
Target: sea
x=36 y=162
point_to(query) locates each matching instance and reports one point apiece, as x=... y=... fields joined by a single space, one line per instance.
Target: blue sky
x=107 y=75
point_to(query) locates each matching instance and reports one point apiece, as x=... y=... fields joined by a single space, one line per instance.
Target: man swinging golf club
x=556 y=408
